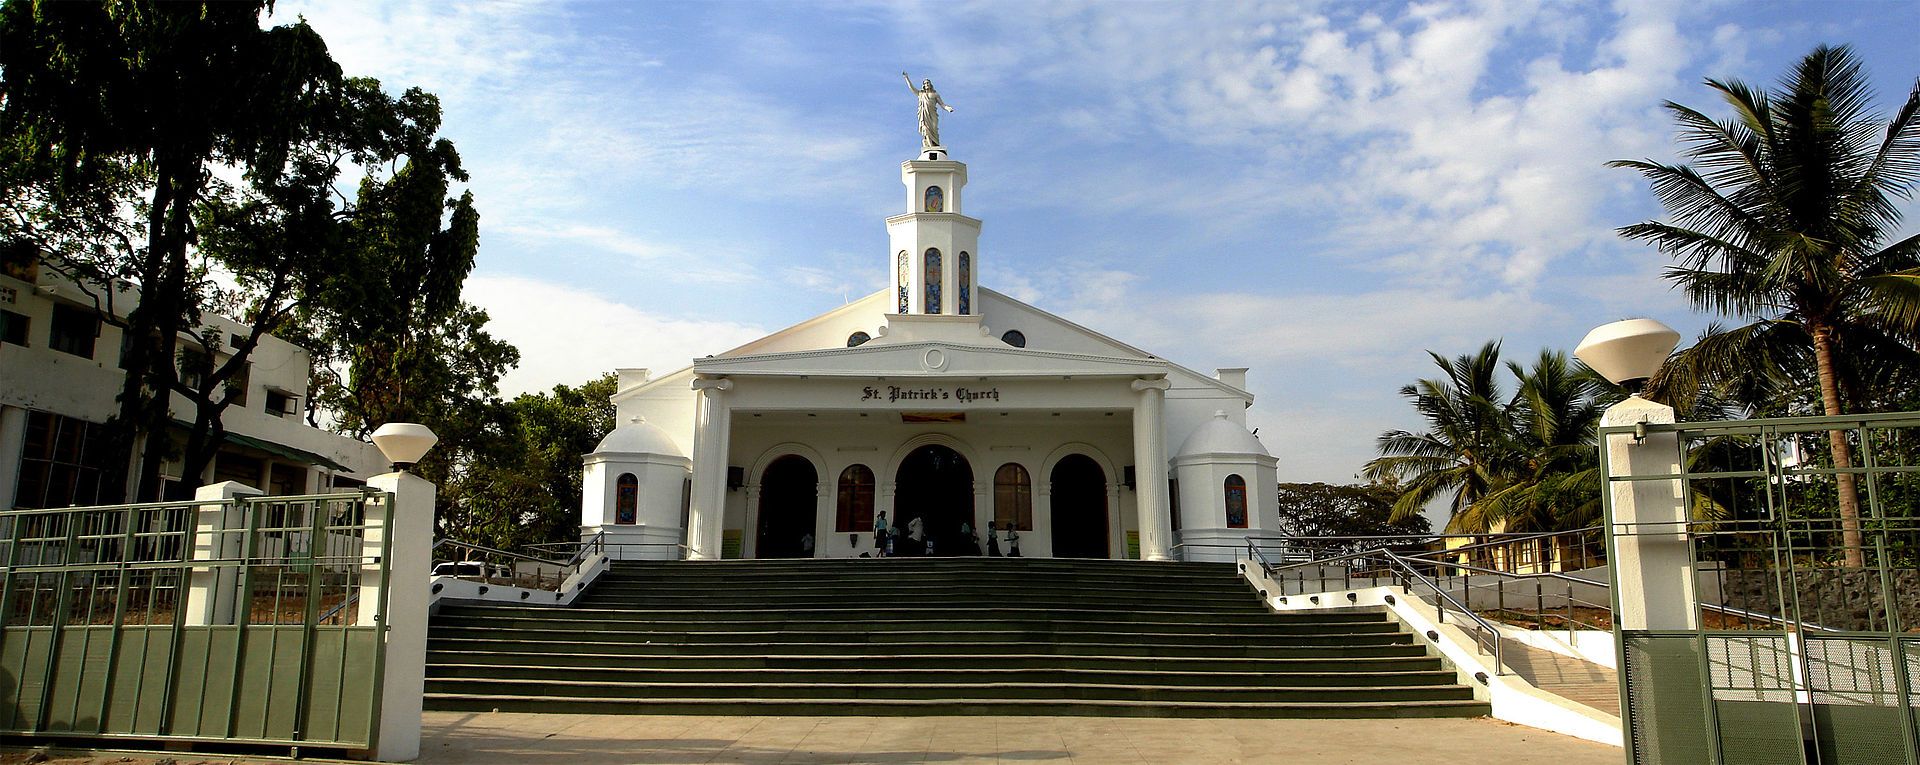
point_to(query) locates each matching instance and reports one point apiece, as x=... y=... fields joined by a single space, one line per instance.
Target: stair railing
x=1368 y=569
x=492 y=566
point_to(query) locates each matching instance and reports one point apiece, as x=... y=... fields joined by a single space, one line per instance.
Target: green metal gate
x=1813 y=651
x=236 y=621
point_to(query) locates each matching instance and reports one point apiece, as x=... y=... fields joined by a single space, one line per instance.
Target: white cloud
x=568 y=335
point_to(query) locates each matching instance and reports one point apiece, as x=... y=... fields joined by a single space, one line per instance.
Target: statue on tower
x=929 y=118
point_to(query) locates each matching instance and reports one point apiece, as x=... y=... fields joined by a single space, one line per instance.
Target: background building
x=59 y=374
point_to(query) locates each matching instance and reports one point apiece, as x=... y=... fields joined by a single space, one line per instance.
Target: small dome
x=638 y=437
x=1220 y=436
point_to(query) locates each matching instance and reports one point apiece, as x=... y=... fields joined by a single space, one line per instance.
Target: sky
x=1323 y=192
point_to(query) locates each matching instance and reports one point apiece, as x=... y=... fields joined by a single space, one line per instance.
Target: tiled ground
x=515 y=739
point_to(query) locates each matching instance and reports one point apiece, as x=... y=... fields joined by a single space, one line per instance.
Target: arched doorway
x=935 y=485
x=1079 y=507
x=789 y=493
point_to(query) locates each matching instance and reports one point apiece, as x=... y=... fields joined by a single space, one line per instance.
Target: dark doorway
x=789 y=491
x=1079 y=506
x=934 y=485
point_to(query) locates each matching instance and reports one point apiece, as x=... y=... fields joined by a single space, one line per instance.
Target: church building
x=932 y=417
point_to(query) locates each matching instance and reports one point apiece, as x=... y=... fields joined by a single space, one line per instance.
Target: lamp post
x=1647 y=519
x=404 y=523
x=404 y=443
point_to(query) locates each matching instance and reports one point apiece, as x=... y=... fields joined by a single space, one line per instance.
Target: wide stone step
x=876 y=613
x=934 y=706
x=782 y=622
x=989 y=691
x=778 y=648
x=845 y=663
x=884 y=594
x=923 y=676
x=1064 y=635
x=989 y=576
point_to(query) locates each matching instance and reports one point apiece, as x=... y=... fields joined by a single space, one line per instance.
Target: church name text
x=895 y=393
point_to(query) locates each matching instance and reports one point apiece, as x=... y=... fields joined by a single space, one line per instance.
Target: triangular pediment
x=929 y=359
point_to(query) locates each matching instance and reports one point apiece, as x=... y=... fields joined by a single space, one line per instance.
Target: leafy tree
x=524 y=487
x=133 y=104
x=1350 y=510
x=1783 y=222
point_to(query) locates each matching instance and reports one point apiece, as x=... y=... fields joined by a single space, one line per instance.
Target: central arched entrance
x=789 y=506
x=935 y=485
x=1079 y=507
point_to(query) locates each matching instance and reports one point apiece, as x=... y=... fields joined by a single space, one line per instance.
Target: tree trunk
x=1851 y=541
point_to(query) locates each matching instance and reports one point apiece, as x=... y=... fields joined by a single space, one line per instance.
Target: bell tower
x=933 y=263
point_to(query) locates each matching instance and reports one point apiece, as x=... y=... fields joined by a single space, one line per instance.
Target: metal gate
x=233 y=621
x=1816 y=655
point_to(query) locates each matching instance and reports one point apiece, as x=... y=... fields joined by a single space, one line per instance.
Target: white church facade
x=933 y=417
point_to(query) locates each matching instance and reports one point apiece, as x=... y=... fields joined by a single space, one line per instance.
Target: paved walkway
x=522 y=739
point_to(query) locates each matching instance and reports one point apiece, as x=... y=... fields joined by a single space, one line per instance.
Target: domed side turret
x=638 y=437
x=1228 y=489
x=633 y=488
x=1221 y=436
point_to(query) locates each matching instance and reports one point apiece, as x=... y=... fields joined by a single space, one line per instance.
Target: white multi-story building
x=60 y=374
x=928 y=412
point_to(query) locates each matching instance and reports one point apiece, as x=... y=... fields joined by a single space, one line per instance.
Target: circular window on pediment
x=857 y=339
x=1015 y=338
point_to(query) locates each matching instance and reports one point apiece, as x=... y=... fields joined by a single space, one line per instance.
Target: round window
x=858 y=338
x=1014 y=338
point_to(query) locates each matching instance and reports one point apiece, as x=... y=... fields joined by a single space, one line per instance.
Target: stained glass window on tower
x=936 y=200
x=1236 y=502
x=903 y=279
x=932 y=276
x=966 y=284
x=626 y=499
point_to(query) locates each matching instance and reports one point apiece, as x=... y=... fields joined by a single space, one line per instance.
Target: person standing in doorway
x=993 y=541
x=882 y=539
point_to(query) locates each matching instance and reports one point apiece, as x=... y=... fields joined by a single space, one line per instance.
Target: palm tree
x=1554 y=417
x=1783 y=225
x=1467 y=449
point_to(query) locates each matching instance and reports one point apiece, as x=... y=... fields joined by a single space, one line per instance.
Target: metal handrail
x=1505 y=541
x=1440 y=595
x=570 y=565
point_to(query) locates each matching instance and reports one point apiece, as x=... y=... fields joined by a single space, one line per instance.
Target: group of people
x=890 y=541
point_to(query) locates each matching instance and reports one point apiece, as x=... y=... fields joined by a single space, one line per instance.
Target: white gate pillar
x=213 y=590
x=1150 y=470
x=405 y=526
x=706 y=516
x=1652 y=560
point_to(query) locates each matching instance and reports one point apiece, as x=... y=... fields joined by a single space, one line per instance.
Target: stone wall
x=1845 y=599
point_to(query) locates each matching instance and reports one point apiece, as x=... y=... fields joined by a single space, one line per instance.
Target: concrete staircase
x=932 y=636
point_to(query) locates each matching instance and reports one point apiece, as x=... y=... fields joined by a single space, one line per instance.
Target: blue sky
x=1319 y=191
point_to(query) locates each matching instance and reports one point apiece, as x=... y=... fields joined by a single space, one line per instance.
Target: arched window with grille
x=855 y=500
x=1012 y=498
x=1236 y=502
x=965 y=283
x=932 y=275
x=626 y=499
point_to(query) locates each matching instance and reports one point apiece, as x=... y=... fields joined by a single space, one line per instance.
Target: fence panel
x=1808 y=572
x=225 y=620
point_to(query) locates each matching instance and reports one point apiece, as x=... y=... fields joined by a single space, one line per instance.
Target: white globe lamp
x=1628 y=352
x=404 y=443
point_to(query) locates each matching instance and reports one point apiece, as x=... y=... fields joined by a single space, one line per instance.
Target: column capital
x=712 y=383
x=1151 y=383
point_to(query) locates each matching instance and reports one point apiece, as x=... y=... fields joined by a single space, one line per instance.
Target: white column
x=1652 y=562
x=408 y=519
x=213 y=590
x=1150 y=470
x=708 y=513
